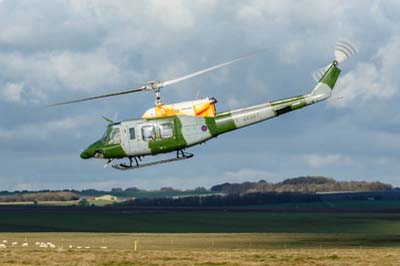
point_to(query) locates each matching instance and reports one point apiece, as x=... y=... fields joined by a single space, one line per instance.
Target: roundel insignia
x=203 y=128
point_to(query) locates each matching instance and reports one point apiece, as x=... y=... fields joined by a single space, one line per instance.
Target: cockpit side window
x=148 y=133
x=115 y=136
x=104 y=137
x=107 y=133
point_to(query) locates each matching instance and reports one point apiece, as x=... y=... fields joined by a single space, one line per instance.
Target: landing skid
x=180 y=155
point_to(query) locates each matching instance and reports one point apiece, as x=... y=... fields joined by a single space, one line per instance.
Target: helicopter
x=172 y=128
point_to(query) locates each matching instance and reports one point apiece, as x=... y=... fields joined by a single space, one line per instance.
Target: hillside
x=306 y=184
x=39 y=196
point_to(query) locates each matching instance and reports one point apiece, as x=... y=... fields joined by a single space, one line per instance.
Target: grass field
x=200 y=249
x=99 y=220
x=106 y=236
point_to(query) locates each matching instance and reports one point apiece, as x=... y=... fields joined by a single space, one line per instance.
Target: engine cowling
x=203 y=107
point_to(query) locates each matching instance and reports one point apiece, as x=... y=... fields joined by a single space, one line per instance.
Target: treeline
x=88 y=192
x=223 y=200
x=142 y=193
x=307 y=184
x=120 y=192
x=39 y=196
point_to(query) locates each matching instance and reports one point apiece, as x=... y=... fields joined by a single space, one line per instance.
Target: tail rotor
x=344 y=50
x=317 y=74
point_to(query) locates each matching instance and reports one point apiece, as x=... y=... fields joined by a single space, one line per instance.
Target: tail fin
x=324 y=87
x=331 y=75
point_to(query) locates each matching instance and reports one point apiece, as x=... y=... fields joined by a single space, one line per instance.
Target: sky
x=56 y=50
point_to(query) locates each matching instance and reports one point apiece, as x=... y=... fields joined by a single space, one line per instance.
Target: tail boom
x=228 y=121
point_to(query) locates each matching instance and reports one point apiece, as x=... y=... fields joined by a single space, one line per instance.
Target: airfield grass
x=97 y=220
x=103 y=237
x=200 y=249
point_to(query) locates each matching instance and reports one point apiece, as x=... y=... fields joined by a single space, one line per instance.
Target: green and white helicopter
x=175 y=127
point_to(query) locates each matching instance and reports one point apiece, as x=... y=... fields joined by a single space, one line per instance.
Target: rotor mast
x=155 y=86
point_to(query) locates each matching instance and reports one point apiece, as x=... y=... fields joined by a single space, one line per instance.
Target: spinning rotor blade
x=344 y=50
x=99 y=97
x=155 y=85
x=200 y=72
x=317 y=74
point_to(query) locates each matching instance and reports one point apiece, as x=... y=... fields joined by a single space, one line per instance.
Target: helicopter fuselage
x=142 y=137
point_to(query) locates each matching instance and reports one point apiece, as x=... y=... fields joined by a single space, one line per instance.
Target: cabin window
x=166 y=130
x=148 y=133
x=115 y=136
x=132 y=134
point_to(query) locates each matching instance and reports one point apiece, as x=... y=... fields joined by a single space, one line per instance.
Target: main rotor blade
x=157 y=85
x=173 y=81
x=99 y=97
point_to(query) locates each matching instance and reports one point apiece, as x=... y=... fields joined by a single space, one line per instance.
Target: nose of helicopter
x=86 y=154
x=90 y=151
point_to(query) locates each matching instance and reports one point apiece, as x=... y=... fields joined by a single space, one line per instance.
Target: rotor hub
x=155 y=86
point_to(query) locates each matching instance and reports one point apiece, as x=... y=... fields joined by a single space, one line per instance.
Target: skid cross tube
x=180 y=155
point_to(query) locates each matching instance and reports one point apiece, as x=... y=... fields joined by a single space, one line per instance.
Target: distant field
x=348 y=204
x=57 y=219
x=79 y=249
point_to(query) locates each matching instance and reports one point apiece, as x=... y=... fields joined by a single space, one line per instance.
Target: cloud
x=321 y=160
x=374 y=80
x=52 y=51
x=172 y=14
x=41 y=131
x=187 y=179
x=90 y=46
x=207 y=180
x=387 y=140
x=12 y=92
x=249 y=174
x=66 y=71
